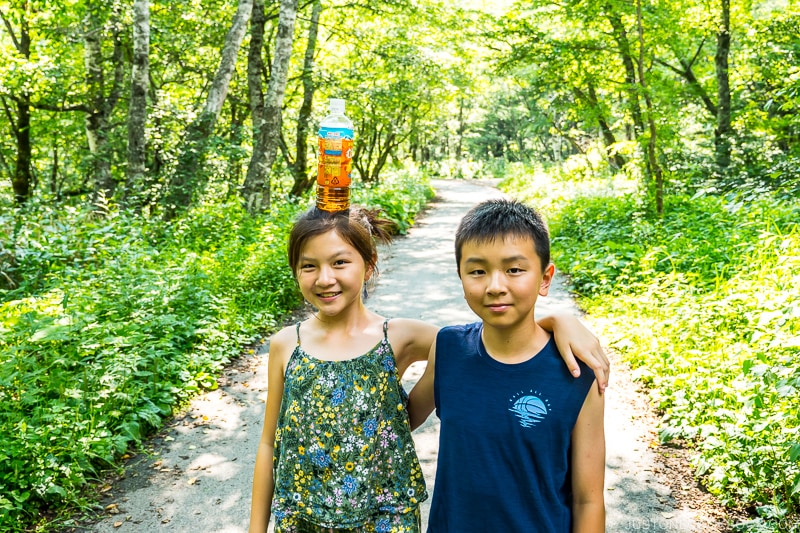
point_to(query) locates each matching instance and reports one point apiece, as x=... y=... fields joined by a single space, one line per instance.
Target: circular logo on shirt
x=529 y=409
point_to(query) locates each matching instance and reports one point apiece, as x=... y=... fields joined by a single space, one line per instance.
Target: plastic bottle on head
x=335 y=159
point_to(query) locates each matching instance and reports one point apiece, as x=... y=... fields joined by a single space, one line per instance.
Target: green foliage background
x=702 y=303
x=121 y=319
x=109 y=319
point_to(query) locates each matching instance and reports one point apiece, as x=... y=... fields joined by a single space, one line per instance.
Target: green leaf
x=50 y=333
x=57 y=490
x=794 y=452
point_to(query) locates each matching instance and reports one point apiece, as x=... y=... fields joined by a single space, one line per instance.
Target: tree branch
x=697 y=54
x=10 y=117
x=10 y=29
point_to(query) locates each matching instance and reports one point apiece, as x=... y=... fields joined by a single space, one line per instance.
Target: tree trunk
x=621 y=37
x=137 y=111
x=22 y=179
x=303 y=179
x=187 y=179
x=20 y=122
x=652 y=157
x=609 y=139
x=150 y=192
x=55 y=186
x=391 y=143
x=256 y=190
x=696 y=87
x=100 y=107
x=460 y=132
x=376 y=143
x=686 y=71
x=255 y=68
x=238 y=116
x=722 y=133
x=414 y=141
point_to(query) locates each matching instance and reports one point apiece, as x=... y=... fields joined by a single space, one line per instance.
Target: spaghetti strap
x=385 y=329
x=297 y=328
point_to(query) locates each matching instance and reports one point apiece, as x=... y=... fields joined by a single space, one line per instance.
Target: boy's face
x=503 y=279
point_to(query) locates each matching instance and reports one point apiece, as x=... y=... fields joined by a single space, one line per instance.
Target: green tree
x=723 y=131
x=298 y=165
x=137 y=109
x=102 y=23
x=17 y=105
x=256 y=189
x=187 y=179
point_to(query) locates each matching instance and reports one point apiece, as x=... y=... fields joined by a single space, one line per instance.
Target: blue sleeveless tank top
x=505 y=438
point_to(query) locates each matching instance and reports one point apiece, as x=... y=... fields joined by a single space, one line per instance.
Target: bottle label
x=335 y=157
x=338 y=133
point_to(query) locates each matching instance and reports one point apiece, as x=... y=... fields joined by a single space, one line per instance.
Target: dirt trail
x=198 y=476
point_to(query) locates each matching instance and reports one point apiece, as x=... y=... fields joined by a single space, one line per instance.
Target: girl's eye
x=307 y=266
x=340 y=262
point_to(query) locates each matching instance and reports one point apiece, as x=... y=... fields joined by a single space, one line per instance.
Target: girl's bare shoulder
x=283 y=342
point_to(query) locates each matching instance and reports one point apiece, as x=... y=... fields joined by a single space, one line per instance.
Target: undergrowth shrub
x=400 y=196
x=114 y=335
x=702 y=303
x=110 y=323
x=723 y=367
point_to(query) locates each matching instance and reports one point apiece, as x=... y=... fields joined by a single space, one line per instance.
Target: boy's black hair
x=500 y=218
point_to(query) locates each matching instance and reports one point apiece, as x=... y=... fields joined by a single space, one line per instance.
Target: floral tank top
x=343 y=446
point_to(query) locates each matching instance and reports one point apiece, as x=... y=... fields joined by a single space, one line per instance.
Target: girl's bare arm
x=574 y=339
x=263 y=482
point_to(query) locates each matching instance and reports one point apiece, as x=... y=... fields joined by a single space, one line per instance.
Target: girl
x=336 y=453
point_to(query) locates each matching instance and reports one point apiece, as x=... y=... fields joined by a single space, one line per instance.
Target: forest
x=154 y=153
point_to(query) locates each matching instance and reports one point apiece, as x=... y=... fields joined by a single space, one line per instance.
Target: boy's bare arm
x=411 y=341
x=588 y=466
x=420 y=400
x=574 y=339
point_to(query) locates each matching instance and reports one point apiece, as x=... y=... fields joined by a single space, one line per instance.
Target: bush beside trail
x=109 y=324
x=702 y=303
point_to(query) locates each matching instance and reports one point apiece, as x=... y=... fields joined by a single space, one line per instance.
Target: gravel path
x=197 y=475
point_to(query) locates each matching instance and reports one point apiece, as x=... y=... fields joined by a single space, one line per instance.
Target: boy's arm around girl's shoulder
x=588 y=456
x=280 y=348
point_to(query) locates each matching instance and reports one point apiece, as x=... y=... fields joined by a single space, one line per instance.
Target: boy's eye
x=515 y=270
x=476 y=272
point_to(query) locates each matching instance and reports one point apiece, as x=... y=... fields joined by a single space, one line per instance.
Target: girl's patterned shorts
x=381 y=523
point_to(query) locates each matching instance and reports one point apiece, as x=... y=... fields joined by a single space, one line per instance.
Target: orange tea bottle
x=335 y=159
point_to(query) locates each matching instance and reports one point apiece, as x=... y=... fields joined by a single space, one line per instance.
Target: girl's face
x=331 y=273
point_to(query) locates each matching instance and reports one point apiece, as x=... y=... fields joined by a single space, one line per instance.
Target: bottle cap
x=336 y=105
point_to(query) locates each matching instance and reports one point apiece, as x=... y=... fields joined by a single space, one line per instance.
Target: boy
x=522 y=445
